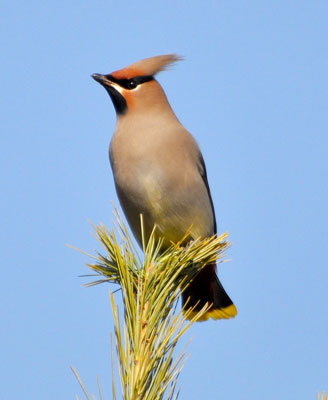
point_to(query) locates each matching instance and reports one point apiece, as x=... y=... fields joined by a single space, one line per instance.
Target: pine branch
x=147 y=333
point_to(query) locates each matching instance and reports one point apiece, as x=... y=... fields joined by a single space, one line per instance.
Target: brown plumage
x=159 y=172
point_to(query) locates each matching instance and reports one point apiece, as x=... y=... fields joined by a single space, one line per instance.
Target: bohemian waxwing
x=159 y=172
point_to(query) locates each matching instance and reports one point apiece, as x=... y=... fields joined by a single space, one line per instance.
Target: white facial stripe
x=117 y=87
x=121 y=90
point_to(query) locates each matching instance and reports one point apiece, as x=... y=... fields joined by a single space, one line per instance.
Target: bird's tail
x=206 y=288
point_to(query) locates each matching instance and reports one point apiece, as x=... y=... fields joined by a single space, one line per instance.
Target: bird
x=159 y=172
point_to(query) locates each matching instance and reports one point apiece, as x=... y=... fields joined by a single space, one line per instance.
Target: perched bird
x=159 y=172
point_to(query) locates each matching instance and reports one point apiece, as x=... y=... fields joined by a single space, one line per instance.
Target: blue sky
x=253 y=91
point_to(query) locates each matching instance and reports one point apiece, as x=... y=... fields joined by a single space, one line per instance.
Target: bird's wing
x=202 y=171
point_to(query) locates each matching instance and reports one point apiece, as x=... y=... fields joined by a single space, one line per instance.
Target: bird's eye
x=132 y=84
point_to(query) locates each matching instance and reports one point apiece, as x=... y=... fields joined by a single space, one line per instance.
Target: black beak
x=102 y=79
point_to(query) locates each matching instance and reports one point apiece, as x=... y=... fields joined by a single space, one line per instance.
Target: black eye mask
x=132 y=83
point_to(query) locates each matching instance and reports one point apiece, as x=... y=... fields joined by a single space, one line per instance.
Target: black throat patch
x=117 y=99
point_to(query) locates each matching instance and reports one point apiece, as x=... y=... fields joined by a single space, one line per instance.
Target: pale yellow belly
x=176 y=214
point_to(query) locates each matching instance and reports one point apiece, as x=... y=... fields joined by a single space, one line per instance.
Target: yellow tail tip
x=221 y=313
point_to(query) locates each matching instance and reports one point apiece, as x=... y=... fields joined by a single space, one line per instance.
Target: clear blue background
x=253 y=91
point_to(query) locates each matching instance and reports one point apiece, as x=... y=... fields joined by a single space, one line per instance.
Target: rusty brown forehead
x=127 y=73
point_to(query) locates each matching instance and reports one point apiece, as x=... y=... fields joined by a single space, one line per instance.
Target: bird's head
x=134 y=88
